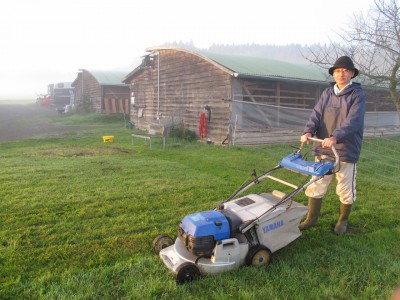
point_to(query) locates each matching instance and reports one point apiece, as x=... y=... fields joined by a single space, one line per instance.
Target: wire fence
x=380 y=160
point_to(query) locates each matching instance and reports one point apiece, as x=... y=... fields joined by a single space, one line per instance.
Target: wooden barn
x=101 y=92
x=226 y=98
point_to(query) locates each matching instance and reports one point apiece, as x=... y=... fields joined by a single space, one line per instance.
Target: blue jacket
x=341 y=116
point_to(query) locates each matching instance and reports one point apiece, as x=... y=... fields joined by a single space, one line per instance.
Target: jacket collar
x=337 y=90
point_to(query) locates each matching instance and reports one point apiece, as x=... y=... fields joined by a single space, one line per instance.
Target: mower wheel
x=186 y=272
x=161 y=242
x=258 y=255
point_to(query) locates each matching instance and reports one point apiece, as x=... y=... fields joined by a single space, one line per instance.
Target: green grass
x=77 y=218
x=90 y=119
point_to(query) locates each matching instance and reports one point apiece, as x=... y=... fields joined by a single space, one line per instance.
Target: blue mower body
x=296 y=163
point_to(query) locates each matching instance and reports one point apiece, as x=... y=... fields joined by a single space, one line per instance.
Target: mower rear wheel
x=161 y=242
x=186 y=272
x=258 y=255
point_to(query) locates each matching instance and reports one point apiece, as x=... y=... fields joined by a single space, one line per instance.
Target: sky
x=48 y=41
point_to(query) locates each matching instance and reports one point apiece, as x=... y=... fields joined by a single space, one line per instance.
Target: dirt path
x=20 y=121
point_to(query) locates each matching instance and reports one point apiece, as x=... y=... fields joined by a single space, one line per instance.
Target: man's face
x=342 y=76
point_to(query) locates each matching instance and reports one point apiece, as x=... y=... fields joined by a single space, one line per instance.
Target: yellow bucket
x=108 y=138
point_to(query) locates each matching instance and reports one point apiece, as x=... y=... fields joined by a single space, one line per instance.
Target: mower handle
x=332 y=147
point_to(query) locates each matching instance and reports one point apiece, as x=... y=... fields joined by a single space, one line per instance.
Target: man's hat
x=344 y=62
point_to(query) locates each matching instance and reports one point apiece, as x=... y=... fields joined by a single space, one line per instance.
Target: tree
x=373 y=42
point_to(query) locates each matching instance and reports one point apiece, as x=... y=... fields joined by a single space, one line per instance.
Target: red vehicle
x=44 y=100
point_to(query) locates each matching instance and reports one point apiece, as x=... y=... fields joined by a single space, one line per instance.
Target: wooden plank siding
x=116 y=106
x=87 y=93
x=115 y=99
x=187 y=84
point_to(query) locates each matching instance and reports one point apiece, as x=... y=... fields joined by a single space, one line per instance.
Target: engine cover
x=200 y=231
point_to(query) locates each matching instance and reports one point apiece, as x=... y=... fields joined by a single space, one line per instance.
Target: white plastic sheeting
x=382 y=119
x=246 y=115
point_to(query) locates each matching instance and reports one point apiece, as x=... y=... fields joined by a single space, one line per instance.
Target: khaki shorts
x=345 y=188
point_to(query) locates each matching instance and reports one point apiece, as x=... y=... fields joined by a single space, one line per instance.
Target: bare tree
x=373 y=42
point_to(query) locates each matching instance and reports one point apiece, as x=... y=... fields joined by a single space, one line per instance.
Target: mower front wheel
x=161 y=242
x=258 y=255
x=186 y=273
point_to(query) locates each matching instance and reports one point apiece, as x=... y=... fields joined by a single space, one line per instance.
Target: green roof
x=248 y=66
x=108 y=77
x=257 y=67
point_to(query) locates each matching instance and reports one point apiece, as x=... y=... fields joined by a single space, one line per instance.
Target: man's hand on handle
x=326 y=143
x=304 y=137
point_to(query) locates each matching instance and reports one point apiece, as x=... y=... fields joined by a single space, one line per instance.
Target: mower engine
x=200 y=231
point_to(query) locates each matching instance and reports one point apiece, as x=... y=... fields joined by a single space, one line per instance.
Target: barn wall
x=378 y=100
x=78 y=90
x=187 y=84
x=92 y=91
x=303 y=95
x=87 y=93
x=285 y=93
x=116 y=99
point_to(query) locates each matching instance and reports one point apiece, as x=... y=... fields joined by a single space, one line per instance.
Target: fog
x=47 y=41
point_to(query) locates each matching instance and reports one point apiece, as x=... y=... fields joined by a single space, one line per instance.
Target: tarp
x=253 y=115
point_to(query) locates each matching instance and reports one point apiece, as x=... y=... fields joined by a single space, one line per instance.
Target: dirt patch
x=22 y=121
x=67 y=152
x=79 y=152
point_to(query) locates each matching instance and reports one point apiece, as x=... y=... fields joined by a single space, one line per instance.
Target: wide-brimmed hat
x=344 y=62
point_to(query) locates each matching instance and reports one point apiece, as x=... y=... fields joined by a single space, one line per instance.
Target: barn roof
x=257 y=67
x=105 y=77
x=108 y=77
x=248 y=66
x=129 y=76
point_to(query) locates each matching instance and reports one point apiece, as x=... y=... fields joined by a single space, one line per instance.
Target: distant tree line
x=294 y=53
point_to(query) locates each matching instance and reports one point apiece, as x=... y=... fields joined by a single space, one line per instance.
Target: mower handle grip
x=332 y=147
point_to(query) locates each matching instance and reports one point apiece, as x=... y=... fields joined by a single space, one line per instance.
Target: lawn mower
x=242 y=230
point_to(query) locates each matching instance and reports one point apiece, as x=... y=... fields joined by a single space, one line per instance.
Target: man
x=337 y=119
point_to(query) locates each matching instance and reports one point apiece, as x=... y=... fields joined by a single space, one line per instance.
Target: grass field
x=77 y=218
